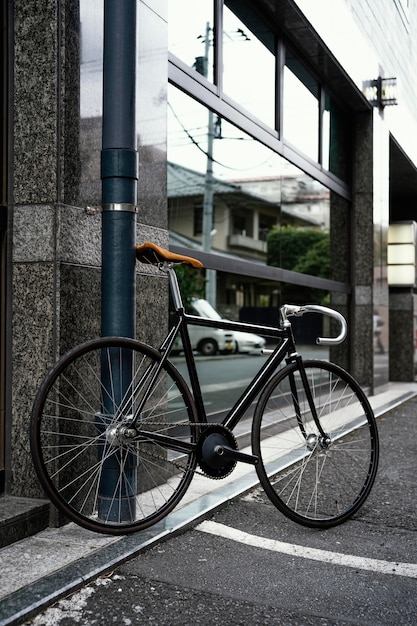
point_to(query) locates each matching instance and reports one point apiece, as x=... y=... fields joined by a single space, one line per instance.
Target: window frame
x=211 y=95
x=403 y=7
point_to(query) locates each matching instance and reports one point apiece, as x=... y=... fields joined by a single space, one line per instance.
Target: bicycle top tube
x=156 y=255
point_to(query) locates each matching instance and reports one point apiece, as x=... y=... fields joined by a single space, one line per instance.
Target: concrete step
x=21 y=518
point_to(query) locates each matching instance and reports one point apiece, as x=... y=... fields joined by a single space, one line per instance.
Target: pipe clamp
x=120 y=206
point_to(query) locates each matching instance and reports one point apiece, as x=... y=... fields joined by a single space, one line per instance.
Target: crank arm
x=236 y=455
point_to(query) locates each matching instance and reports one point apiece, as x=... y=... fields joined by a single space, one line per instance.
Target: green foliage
x=288 y=246
x=301 y=250
x=192 y=283
x=316 y=260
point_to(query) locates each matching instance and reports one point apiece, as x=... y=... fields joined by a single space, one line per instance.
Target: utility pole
x=207 y=226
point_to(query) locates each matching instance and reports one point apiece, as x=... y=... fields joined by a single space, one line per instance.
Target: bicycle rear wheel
x=94 y=466
x=318 y=477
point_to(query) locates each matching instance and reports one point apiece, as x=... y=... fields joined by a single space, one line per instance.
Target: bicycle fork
x=312 y=440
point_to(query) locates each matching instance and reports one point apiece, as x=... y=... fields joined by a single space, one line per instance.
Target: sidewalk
x=37 y=571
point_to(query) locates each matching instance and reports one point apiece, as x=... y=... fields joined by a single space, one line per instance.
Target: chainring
x=211 y=463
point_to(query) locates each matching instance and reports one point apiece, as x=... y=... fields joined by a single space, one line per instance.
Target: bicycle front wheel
x=100 y=469
x=319 y=470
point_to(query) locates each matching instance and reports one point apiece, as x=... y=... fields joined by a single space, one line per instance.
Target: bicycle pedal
x=236 y=455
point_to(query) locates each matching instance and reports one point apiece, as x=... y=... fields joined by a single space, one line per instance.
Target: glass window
x=255 y=301
x=263 y=208
x=190 y=34
x=91 y=98
x=301 y=110
x=91 y=90
x=198 y=220
x=249 y=45
x=336 y=146
x=246 y=53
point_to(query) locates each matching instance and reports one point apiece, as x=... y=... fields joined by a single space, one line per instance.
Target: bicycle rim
x=318 y=477
x=95 y=468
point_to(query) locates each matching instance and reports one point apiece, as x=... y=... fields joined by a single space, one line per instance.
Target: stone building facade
x=51 y=189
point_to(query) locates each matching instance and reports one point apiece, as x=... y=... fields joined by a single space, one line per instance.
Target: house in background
x=244 y=212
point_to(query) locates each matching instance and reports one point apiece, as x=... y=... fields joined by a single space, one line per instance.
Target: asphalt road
x=247 y=564
x=224 y=378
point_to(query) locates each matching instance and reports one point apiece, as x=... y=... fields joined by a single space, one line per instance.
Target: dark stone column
x=402 y=304
x=362 y=251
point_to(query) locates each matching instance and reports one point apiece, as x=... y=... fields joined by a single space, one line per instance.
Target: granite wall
x=340 y=250
x=362 y=251
x=402 y=334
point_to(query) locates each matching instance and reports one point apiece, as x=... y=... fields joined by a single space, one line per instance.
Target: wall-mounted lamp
x=401 y=255
x=381 y=92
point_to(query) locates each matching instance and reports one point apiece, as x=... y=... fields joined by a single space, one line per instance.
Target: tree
x=316 y=260
x=192 y=283
x=301 y=250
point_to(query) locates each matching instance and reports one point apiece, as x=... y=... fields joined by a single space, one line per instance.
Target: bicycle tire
x=89 y=465
x=315 y=481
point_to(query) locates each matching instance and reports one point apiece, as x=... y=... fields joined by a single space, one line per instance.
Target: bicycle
x=117 y=434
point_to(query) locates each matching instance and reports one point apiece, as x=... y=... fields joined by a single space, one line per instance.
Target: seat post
x=175 y=289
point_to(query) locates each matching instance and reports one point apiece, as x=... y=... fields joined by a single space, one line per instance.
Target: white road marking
x=233 y=384
x=335 y=558
x=216 y=387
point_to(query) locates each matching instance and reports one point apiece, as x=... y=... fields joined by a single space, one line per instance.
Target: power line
x=197 y=145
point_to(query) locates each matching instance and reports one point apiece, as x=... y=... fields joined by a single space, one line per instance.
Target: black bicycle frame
x=284 y=350
x=285 y=347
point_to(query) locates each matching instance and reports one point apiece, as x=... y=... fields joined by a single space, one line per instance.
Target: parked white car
x=208 y=341
x=248 y=342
